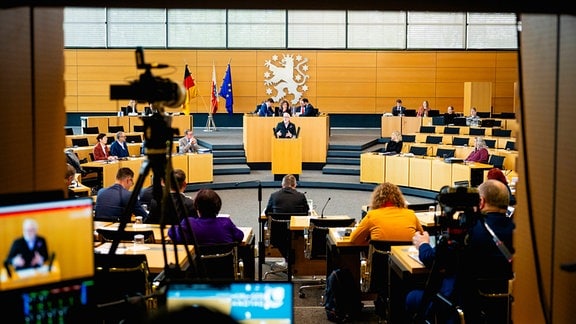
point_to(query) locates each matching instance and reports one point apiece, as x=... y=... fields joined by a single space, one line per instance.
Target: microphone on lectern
x=326 y=204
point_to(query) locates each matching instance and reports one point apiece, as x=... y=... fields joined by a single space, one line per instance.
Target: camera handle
x=158 y=139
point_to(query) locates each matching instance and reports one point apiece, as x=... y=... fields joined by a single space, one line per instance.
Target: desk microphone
x=326 y=204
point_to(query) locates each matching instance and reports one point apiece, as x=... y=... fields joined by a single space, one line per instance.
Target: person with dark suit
x=207 y=228
x=287 y=199
x=119 y=147
x=189 y=210
x=131 y=108
x=449 y=116
x=30 y=250
x=398 y=110
x=481 y=259
x=285 y=128
x=284 y=108
x=101 y=150
x=111 y=201
x=266 y=109
x=395 y=143
x=306 y=108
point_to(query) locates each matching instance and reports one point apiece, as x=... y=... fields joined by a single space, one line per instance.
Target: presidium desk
x=258 y=136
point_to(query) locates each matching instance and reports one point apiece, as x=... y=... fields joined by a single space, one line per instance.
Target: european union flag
x=226 y=91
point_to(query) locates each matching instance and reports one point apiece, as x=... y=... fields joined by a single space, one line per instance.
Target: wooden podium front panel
x=390 y=124
x=420 y=175
x=397 y=170
x=200 y=168
x=258 y=131
x=286 y=156
x=372 y=168
x=180 y=161
x=441 y=175
x=411 y=124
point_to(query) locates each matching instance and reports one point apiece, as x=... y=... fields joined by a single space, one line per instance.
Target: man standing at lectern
x=285 y=128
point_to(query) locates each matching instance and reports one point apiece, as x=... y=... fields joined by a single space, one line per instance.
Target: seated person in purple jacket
x=480 y=153
x=207 y=228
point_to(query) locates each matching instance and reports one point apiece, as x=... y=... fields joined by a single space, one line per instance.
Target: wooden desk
x=108 y=170
x=397 y=170
x=471 y=171
x=298 y=264
x=29 y=277
x=286 y=156
x=390 y=124
x=200 y=168
x=373 y=168
x=154 y=253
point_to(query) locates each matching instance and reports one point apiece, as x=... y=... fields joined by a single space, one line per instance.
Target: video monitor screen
x=46 y=242
x=246 y=302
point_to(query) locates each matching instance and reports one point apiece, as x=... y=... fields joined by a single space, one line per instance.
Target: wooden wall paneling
x=507 y=59
x=485 y=59
x=465 y=74
x=407 y=59
x=506 y=74
x=346 y=75
x=347 y=105
x=479 y=95
x=406 y=74
x=346 y=59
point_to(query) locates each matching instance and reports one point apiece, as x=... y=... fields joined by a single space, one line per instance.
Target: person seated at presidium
x=30 y=250
x=119 y=148
x=481 y=259
x=480 y=153
x=423 y=110
x=388 y=218
x=188 y=143
x=131 y=108
x=398 y=110
x=285 y=128
x=111 y=201
x=207 y=228
x=287 y=199
x=395 y=143
x=101 y=150
x=154 y=217
x=284 y=108
x=306 y=109
x=266 y=108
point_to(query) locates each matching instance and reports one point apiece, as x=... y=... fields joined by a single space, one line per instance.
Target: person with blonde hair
x=480 y=153
x=388 y=219
x=395 y=143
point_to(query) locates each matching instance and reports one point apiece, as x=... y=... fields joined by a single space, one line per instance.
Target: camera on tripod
x=149 y=88
x=459 y=206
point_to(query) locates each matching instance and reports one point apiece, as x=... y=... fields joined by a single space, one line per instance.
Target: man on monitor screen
x=30 y=250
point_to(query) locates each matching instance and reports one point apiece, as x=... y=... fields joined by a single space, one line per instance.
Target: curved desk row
x=180 y=122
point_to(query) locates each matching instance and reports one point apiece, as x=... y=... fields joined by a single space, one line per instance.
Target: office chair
x=460 y=141
x=477 y=131
x=220 y=261
x=110 y=140
x=510 y=145
x=419 y=150
x=69 y=131
x=462 y=183
x=433 y=139
x=501 y=132
x=133 y=138
x=428 y=129
x=280 y=236
x=108 y=235
x=115 y=129
x=490 y=143
x=408 y=138
x=497 y=161
x=445 y=153
x=80 y=142
x=132 y=271
x=375 y=274
x=316 y=245
x=452 y=130
x=138 y=128
x=90 y=130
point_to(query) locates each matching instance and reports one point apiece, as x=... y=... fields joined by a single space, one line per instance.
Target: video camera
x=148 y=88
x=459 y=210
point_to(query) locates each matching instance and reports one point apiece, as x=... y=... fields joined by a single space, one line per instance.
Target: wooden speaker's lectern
x=286 y=156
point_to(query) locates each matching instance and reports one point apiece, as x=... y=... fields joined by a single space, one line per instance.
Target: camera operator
x=479 y=257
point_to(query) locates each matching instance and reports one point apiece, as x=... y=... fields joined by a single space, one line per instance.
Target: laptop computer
x=245 y=302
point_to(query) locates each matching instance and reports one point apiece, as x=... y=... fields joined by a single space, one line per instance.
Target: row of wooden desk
x=198 y=168
x=418 y=172
x=155 y=252
x=180 y=122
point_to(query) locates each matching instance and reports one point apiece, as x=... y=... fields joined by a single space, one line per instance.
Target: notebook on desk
x=246 y=302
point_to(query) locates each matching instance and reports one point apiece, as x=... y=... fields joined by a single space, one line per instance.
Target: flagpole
x=210 y=125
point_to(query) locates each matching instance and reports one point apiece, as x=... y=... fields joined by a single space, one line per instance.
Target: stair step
x=340 y=160
x=228 y=153
x=336 y=153
x=229 y=160
x=231 y=169
x=341 y=169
